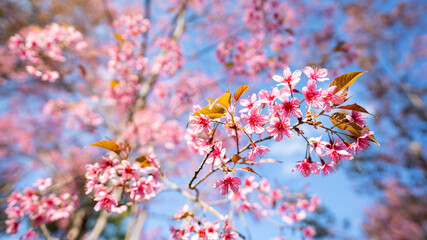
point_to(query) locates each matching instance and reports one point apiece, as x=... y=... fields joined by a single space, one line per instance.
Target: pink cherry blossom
x=126 y=171
x=289 y=107
x=228 y=182
x=337 y=151
x=327 y=168
x=217 y=155
x=255 y=120
x=257 y=151
x=104 y=200
x=309 y=231
x=288 y=77
x=316 y=74
x=200 y=124
x=43 y=184
x=361 y=143
x=330 y=98
x=311 y=95
x=306 y=168
x=249 y=103
x=278 y=128
x=267 y=97
x=317 y=145
x=357 y=118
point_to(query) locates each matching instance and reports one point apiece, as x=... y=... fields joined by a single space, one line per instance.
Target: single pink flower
x=278 y=128
x=249 y=103
x=361 y=143
x=104 y=200
x=288 y=77
x=316 y=74
x=337 y=151
x=255 y=120
x=309 y=231
x=357 y=118
x=257 y=151
x=269 y=97
x=126 y=171
x=228 y=182
x=330 y=98
x=317 y=145
x=200 y=124
x=306 y=168
x=328 y=168
x=217 y=155
x=289 y=107
x=313 y=96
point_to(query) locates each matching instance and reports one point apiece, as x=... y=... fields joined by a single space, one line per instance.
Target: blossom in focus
x=317 y=74
x=228 y=182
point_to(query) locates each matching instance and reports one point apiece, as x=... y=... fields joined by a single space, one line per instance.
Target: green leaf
x=239 y=92
x=345 y=80
x=107 y=144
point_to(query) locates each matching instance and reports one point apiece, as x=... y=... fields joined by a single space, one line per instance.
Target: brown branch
x=100 y=224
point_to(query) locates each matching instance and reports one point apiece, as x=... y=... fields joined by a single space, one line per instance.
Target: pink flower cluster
x=41 y=207
x=150 y=127
x=126 y=61
x=198 y=230
x=277 y=113
x=78 y=115
x=110 y=179
x=241 y=57
x=267 y=15
x=170 y=59
x=38 y=46
x=131 y=26
x=260 y=199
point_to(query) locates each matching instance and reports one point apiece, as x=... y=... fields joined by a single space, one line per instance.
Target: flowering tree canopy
x=105 y=112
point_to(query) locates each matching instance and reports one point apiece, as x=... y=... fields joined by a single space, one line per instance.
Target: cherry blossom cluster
x=241 y=57
x=195 y=229
x=276 y=114
x=40 y=206
x=151 y=128
x=184 y=91
x=267 y=15
x=117 y=183
x=262 y=200
x=131 y=26
x=79 y=115
x=170 y=59
x=127 y=60
x=40 y=48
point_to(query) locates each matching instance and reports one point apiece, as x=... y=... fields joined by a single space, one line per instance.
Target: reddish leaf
x=249 y=170
x=239 y=92
x=355 y=107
